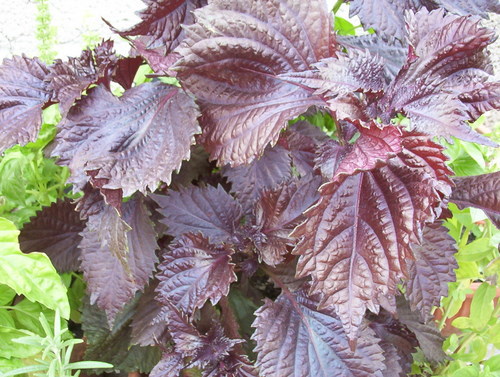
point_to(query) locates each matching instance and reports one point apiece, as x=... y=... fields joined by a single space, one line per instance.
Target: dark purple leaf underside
x=266 y=172
x=193 y=272
x=160 y=27
x=23 y=94
x=126 y=68
x=355 y=242
x=230 y=58
x=278 y=211
x=294 y=339
x=132 y=142
x=432 y=269
x=55 y=232
x=480 y=191
x=209 y=210
x=429 y=90
x=118 y=255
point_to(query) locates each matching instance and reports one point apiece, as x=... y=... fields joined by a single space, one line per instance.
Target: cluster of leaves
x=323 y=227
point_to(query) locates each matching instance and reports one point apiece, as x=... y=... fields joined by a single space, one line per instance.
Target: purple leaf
x=480 y=191
x=391 y=50
x=118 y=255
x=55 y=232
x=209 y=210
x=356 y=239
x=428 y=336
x=133 y=142
x=193 y=272
x=266 y=172
x=170 y=364
x=397 y=342
x=432 y=269
x=302 y=140
x=386 y=16
x=427 y=89
x=297 y=340
x=467 y=7
x=147 y=328
x=358 y=70
x=161 y=23
x=372 y=149
x=23 y=94
x=278 y=211
x=126 y=69
x=230 y=60
x=69 y=79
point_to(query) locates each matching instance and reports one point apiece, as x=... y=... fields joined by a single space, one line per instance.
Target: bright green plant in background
x=55 y=359
x=45 y=31
x=29 y=180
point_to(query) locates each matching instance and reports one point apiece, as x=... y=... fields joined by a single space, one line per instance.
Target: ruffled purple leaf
x=358 y=70
x=230 y=59
x=23 y=94
x=392 y=51
x=131 y=142
x=118 y=255
x=479 y=191
x=302 y=140
x=295 y=339
x=356 y=240
x=171 y=364
x=160 y=26
x=194 y=271
x=266 y=172
x=373 y=148
x=55 y=232
x=278 y=211
x=209 y=210
x=69 y=79
x=397 y=342
x=432 y=270
x=428 y=89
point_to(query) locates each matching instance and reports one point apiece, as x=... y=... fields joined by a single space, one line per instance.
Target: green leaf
x=88 y=365
x=482 y=306
x=468 y=371
x=31 y=275
x=344 y=27
x=9 y=348
x=493 y=363
x=474 y=251
x=6 y=319
x=6 y=295
x=27 y=369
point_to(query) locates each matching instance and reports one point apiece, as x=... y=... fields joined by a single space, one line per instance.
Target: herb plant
x=219 y=231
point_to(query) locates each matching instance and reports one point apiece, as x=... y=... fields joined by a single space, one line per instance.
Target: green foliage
x=478 y=258
x=56 y=352
x=31 y=275
x=45 y=31
x=29 y=180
